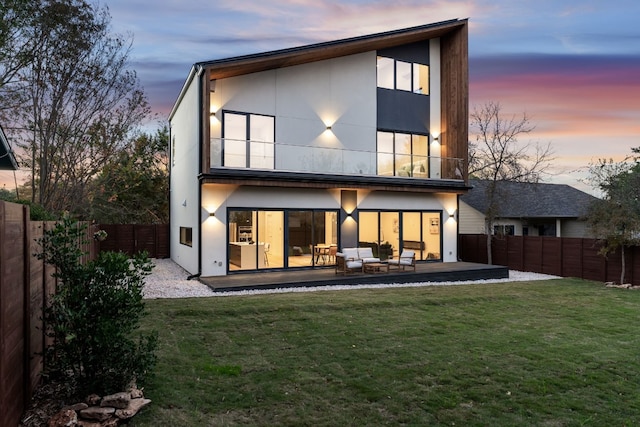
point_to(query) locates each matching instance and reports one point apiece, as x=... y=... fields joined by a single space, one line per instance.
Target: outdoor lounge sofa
x=406 y=260
x=351 y=260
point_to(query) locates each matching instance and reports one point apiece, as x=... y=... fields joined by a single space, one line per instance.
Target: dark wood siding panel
x=454 y=137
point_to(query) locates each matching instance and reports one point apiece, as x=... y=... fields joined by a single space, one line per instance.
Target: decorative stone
x=118 y=400
x=93 y=400
x=85 y=423
x=78 y=406
x=97 y=413
x=134 y=407
x=136 y=393
x=64 y=418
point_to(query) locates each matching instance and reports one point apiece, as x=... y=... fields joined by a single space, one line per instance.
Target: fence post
x=26 y=272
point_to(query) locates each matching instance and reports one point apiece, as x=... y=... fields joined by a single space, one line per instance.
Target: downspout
x=200 y=71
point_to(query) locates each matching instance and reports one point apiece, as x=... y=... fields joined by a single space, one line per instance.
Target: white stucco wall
x=218 y=198
x=305 y=99
x=184 y=183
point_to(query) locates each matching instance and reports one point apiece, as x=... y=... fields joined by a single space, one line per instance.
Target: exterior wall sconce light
x=329 y=127
x=212 y=214
x=436 y=138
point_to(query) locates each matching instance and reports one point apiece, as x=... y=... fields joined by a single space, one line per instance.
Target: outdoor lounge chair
x=407 y=260
x=348 y=261
x=366 y=255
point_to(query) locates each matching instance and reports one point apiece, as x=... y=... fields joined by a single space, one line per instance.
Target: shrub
x=94 y=315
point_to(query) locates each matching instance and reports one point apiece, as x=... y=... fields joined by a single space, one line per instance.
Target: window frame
x=250 y=142
x=413 y=80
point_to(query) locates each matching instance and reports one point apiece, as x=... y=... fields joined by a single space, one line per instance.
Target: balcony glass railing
x=241 y=154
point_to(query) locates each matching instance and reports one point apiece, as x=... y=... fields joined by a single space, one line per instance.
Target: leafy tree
x=615 y=219
x=83 y=101
x=134 y=187
x=93 y=316
x=498 y=155
x=16 y=47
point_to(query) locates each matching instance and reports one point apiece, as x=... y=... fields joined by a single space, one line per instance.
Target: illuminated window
x=403 y=154
x=401 y=75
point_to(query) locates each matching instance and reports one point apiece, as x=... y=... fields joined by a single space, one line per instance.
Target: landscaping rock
x=119 y=400
x=78 y=406
x=93 y=400
x=64 y=418
x=97 y=413
x=134 y=407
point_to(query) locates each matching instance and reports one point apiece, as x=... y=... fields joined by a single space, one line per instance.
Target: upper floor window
x=248 y=140
x=401 y=75
x=403 y=154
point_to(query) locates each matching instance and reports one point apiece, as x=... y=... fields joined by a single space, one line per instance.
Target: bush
x=94 y=315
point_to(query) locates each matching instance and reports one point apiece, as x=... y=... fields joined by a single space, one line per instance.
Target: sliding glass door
x=256 y=240
x=390 y=232
x=272 y=239
x=312 y=237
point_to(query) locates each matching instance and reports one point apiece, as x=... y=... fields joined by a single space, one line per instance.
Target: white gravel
x=169 y=280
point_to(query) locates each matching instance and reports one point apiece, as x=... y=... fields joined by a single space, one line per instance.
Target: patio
x=425 y=272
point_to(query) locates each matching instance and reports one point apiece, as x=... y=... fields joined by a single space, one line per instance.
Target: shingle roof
x=528 y=200
x=7 y=159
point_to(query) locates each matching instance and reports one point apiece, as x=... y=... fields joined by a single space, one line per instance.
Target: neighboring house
x=279 y=159
x=527 y=209
x=7 y=158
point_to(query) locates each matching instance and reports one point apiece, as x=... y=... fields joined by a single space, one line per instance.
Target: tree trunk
x=623 y=265
x=489 y=251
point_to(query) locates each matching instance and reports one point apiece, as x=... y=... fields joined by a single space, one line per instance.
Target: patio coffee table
x=376 y=267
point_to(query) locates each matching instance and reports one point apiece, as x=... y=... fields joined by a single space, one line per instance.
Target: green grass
x=551 y=353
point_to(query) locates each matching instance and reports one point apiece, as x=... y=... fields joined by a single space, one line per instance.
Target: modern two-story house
x=280 y=159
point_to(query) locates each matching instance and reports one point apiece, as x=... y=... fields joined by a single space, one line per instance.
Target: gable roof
x=7 y=158
x=245 y=64
x=530 y=200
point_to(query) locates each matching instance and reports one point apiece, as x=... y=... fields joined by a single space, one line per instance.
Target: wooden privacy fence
x=133 y=238
x=559 y=256
x=25 y=283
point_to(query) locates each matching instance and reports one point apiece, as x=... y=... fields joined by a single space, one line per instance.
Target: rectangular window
x=186 y=236
x=389 y=233
x=249 y=140
x=401 y=75
x=421 y=79
x=386 y=73
x=402 y=154
x=266 y=239
x=504 y=230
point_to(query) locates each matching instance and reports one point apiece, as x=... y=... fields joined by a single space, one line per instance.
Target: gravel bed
x=169 y=280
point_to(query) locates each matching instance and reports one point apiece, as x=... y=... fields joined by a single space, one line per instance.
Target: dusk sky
x=573 y=66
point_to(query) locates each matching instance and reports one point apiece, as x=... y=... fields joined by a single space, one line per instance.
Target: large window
x=400 y=75
x=388 y=233
x=263 y=239
x=402 y=154
x=312 y=237
x=256 y=240
x=248 y=140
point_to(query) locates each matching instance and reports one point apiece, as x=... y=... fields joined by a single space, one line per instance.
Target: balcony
x=278 y=157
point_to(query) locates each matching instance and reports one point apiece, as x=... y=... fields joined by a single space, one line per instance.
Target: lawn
x=550 y=353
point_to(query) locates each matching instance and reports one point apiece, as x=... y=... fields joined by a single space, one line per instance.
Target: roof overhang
x=270 y=178
x=246 y=64
x=7 y=157
x=235 y=66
